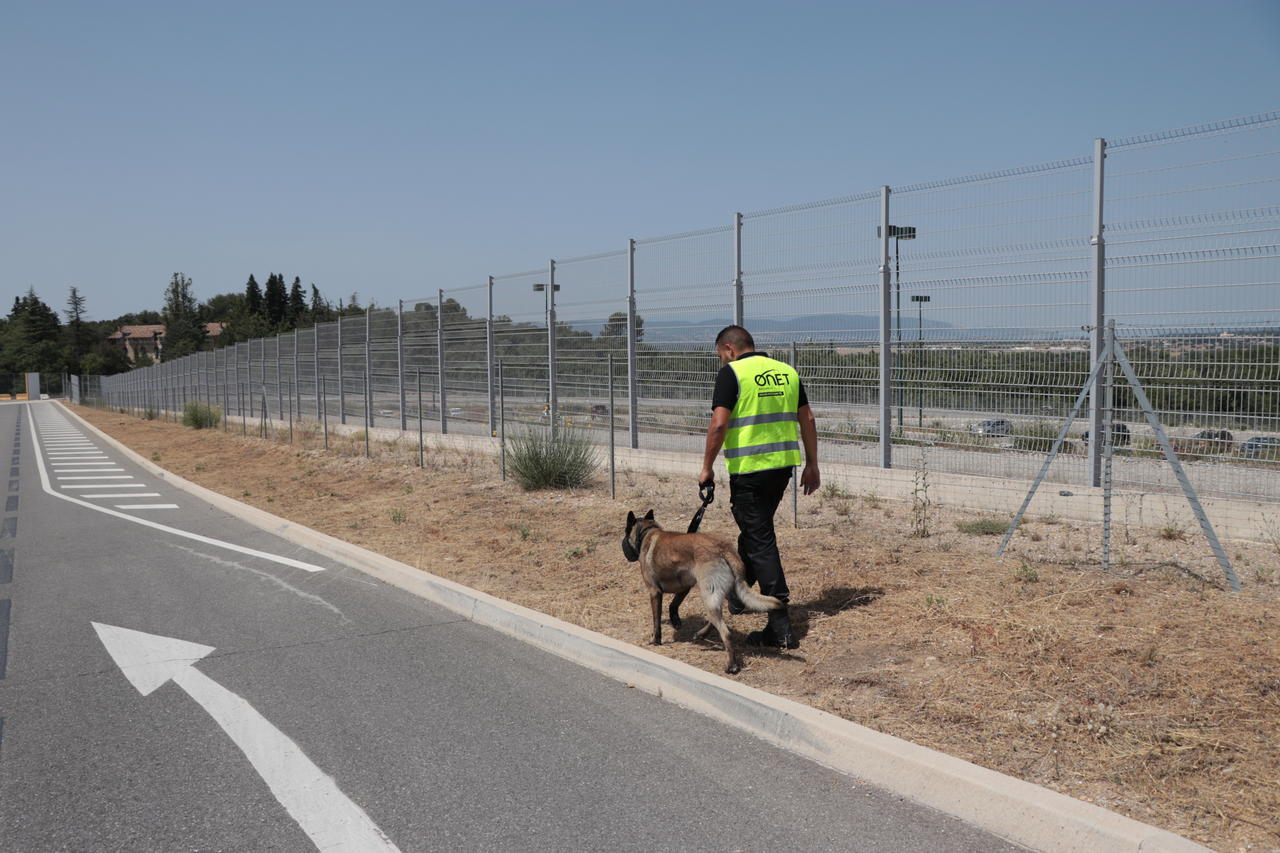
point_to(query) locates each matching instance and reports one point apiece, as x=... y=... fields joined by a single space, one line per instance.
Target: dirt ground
x=1150 y=691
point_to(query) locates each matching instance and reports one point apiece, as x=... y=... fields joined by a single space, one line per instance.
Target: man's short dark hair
x=736 y=337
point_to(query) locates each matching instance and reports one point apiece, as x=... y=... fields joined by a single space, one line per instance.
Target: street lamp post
x=898 y=233
x=919 y=300
x=550 y=288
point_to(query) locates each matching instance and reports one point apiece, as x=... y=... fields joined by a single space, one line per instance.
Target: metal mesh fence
x=994 y=285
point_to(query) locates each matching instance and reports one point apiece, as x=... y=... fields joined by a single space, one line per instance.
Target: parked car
x=1261 y=447
x=1120 y=436
x=599 y=409
x=992 y=426
x=1206 y=442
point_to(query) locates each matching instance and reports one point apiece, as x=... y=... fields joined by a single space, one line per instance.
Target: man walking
x=760 y=415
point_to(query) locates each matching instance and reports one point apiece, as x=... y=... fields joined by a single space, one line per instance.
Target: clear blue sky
x=394 y=148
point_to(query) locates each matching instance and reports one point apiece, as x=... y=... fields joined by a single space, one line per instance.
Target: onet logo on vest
x=772 y=377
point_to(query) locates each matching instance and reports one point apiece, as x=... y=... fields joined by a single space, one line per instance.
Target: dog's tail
x=753 y=600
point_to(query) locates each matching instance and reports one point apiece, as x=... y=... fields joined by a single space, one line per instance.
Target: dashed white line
x=105 y=486
x=118 y=495
x=146 y=506
x=85 y=471
x=102 y=477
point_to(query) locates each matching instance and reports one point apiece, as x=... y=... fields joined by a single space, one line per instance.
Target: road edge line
x=1010 y=808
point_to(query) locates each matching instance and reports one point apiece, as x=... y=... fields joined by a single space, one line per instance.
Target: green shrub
x=983 y=526
x=540 y=461
x=201 y=415
x=150 y=413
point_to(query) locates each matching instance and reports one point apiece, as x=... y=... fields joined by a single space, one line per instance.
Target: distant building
x=149 y=339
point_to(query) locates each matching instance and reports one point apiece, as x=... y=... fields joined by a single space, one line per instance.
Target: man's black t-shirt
x=726 y=392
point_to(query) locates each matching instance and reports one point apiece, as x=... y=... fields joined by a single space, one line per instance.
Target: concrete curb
x=1007 y=807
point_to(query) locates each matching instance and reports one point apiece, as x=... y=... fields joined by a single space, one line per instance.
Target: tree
x=616 y=326
x=105 y=360
x=184 y=334
x=78 y=334
x=32 y=341
x=276 y=300
x=252 y=296
x=222 y=307
x=297 y=308
x=321 y=310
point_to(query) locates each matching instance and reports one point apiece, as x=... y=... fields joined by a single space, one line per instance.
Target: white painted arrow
x=310 y=796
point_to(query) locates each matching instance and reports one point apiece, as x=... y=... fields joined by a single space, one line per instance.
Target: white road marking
x=102 y=477
x=119 y=495
x=105 y=486
x=58 y=465
x=310 y=796
x=146 y=522
x=146 y=506
x=85 y=471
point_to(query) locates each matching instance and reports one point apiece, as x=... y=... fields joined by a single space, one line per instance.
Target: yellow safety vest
x=764 y=432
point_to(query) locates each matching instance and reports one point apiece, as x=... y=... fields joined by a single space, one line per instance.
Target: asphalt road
x=440 y=734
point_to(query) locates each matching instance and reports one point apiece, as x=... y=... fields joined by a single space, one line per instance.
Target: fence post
x=440 y=390
x=315 y=364
x=279 y=377
x=296 y=405
x=400 y=364
x=613 y=486
x=795 y=473
x=421 y=447
x=368 y=369
x=502 y=422
x=1097 y=313
x=342 y=385
x=738 y=318
x=886 y=344
x=488 y=357
x=552 y=401
x=633 y=377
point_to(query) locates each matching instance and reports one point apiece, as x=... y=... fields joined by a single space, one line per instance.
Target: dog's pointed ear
x=631 y=518
x=649 y=515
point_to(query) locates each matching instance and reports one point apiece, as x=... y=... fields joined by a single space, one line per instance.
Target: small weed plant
x=201 y=415
x=1027 y=573
x=540 y=460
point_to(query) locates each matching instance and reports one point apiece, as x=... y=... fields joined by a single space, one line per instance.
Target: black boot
x=777 y=632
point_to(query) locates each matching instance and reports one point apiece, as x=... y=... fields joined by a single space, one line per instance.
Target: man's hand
x=811 y=479
x=706 y=476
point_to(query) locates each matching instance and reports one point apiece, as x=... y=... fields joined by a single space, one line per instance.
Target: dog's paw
x=656 y=641
x=733 y=669
x=676 y=621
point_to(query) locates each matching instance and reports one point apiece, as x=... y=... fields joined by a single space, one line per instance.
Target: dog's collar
x=632 y=553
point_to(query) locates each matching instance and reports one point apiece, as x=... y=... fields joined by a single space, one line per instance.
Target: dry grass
x=1150 y=692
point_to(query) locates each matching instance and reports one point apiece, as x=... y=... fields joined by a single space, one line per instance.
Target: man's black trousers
x=754 y=498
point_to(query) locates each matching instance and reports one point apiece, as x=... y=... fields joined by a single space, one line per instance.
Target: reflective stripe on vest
x=763 y=431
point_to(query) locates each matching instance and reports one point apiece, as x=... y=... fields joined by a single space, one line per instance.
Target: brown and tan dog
x=674 y=563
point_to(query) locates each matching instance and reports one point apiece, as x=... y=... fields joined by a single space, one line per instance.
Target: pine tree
x=297 y=310
x=252 y=296
x=78 y=335
x=276 y=300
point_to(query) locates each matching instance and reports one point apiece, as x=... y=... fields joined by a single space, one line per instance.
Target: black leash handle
x=707 y=492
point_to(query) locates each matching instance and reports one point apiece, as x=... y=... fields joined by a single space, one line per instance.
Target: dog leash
x=706 y=491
